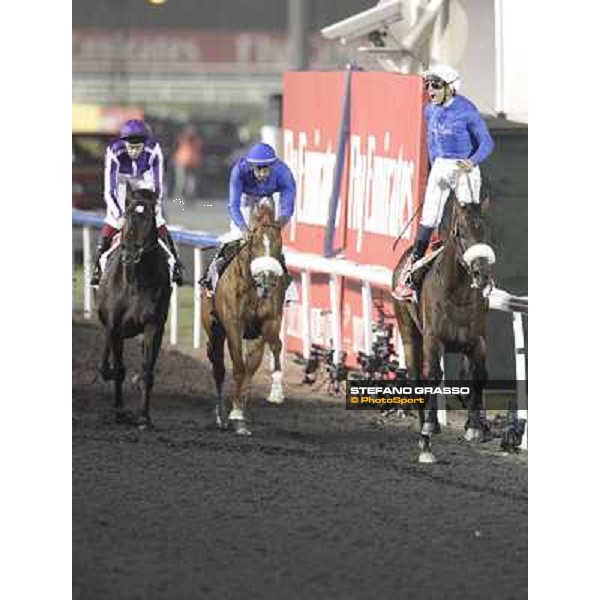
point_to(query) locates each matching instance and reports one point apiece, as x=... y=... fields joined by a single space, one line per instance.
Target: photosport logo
x=390 y=394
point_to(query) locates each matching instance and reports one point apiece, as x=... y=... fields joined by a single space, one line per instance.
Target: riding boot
x=421 y=242
x=405 y=289
x=419 y=249
x=222 y=258
x=104 y=242
x=164 y=234
x=206 y=280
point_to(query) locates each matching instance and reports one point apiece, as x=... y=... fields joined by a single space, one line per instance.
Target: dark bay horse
x=450 y=315
x=133 y=298
x=248 y=304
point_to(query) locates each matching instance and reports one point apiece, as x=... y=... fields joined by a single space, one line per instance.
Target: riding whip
x=407 y=226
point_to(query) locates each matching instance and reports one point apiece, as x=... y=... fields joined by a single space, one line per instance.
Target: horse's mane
x=263 y=215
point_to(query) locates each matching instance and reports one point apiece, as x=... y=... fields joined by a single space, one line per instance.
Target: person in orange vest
x=187 y=159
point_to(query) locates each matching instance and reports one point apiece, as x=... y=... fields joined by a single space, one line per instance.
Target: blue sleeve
x=235 y=197
x=428 y=139
x=478 y=130
x=287 y=190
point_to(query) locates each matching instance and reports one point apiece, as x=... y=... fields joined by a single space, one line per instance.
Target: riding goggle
x=434 y=84
x=135 y=140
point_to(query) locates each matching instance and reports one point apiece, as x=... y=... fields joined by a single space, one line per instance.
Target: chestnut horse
x=450 y=315
x=248 y=304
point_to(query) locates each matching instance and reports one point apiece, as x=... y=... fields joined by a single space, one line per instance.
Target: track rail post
x=174 y=316
x=87 y=273
x=198 y=270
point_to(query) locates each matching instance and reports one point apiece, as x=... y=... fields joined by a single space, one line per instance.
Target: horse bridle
x=259 y=284
x=459 y=240
x=135 y=257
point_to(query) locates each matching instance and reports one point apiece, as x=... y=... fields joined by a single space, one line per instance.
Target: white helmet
x=447 y=74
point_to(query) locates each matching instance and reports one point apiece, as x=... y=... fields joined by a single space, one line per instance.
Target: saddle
x=422 y=266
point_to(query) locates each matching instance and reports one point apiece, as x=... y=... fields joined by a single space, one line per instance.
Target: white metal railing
x=307 y=264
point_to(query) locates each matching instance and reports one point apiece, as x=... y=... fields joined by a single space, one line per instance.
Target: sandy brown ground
x=318 y=503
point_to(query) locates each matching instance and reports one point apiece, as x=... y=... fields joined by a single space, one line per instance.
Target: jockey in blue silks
x=258 y=175
x=458 y=140
x=135 y=158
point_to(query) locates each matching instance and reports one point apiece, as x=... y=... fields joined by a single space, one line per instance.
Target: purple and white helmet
x=261 y=154
x=134 y=129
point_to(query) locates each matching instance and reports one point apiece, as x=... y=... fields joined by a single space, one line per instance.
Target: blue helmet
x=261 y=154
x=134 y=129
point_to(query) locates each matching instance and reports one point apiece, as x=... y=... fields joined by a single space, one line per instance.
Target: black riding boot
x=178 y=266
x=421 y=242
x=103 y=245
x=419 y=250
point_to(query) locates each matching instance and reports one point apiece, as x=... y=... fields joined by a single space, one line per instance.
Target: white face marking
x=139 y=209
x=267 y=244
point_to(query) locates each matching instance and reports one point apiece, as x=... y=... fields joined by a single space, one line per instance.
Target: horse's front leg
x=237 y=415
x=431 y=375
x=254 y=355
x=104 y=368
x=270 y=332
x=153 y=335
x=116 y=345
x=479 y=379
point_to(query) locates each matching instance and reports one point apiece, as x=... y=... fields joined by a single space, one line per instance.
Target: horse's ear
x=485 y=205
x=485 y=195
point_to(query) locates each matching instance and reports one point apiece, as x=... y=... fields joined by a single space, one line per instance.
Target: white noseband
x=479 y=251
x=266 y=264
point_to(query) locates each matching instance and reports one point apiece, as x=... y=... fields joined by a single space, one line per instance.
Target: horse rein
x=138 y=252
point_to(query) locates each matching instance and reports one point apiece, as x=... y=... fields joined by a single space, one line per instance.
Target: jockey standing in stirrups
x=457 y=142
x=134 y=158
x=259 y=174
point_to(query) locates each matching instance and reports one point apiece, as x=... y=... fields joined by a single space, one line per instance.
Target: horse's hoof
x=428 y=428
x=427 y=458
x=121 y=417
x=221 y=423
x=144 y=423
x=276 y=397
x=105 y=372
x=241 y=429
x=473 y=435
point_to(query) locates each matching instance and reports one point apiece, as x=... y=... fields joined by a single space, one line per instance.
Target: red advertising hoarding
x=382 y=185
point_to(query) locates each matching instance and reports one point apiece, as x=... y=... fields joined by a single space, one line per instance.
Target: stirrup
x=404 y=294
x=95 y=278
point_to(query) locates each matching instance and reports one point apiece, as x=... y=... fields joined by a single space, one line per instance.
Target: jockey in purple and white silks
x=458 y=140
x=135 y=158
x=258 y=175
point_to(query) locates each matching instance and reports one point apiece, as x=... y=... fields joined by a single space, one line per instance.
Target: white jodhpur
x=444 y=177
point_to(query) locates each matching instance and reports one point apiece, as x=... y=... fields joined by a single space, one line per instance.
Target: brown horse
x=450 y=315
x=248 y=304
x=133 y=298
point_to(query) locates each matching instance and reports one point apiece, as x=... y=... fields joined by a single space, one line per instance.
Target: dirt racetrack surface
x=319 y=502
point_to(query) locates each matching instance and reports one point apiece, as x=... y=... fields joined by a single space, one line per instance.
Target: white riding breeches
x=113 y=217
x=445 y=176
x=247 y=203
